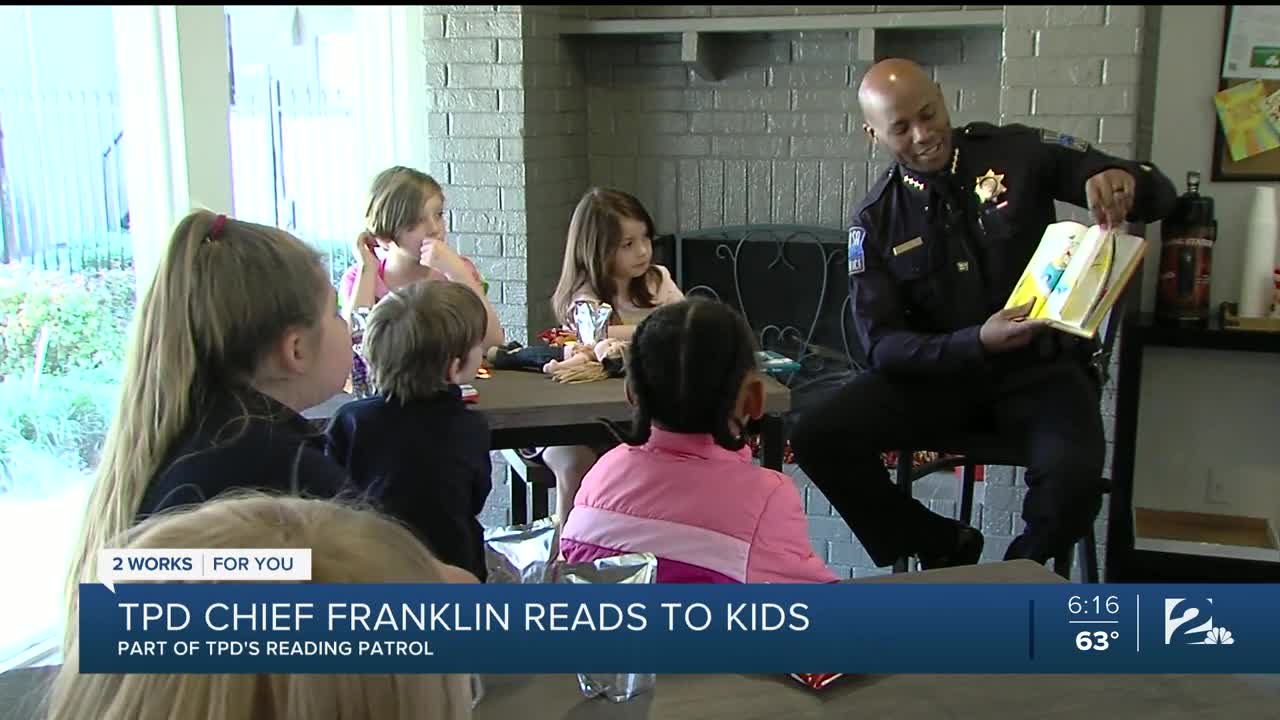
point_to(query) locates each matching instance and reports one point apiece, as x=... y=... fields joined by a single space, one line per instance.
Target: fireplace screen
x=791 y=284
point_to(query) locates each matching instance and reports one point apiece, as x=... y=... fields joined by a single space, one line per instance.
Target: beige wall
x=1216 y=410
x=1184 y=124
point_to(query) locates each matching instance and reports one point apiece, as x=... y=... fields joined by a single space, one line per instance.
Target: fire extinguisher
x=1186 y=259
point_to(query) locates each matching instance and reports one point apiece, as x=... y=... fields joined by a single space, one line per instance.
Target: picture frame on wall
x=1251 y=35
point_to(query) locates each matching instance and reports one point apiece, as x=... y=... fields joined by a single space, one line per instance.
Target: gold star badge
x=990 y=186
x=912 y=183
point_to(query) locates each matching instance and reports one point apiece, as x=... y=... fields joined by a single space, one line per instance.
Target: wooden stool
x=531 y=483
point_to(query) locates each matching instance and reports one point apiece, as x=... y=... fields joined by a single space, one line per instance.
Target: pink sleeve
x=668 y=292
x=780 y=550
x=475 y=272
x=348 y=283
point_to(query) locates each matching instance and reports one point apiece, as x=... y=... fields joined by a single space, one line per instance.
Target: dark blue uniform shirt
x=958 y=256
x=425 y=462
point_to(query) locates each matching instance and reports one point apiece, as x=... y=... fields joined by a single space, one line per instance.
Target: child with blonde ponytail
x=238 y=333
x=348 y=545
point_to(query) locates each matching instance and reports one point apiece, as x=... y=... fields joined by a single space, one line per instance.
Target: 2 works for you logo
x=1186 y=623
x=186 y=564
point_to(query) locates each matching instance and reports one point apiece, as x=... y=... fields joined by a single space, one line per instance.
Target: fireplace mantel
x=923 y=20
x=697 y=34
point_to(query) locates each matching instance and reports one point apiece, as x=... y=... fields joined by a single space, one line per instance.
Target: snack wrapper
x=632 y=568
x=616 y=687
x=638 y=568
x=817 y=681
x=557 y=337
x=591 y=321
x=521 y=554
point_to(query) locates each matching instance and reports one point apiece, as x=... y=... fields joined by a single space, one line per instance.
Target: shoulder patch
x=1067 y=141
x=857 y=256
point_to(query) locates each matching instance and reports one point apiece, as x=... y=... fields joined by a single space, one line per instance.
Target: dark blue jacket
x=425 y=462
x=245 y=440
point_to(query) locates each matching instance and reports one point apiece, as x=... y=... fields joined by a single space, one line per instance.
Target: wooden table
x=909 y=697
x=529 y=409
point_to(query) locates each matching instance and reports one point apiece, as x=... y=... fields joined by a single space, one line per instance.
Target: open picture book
x=1076 y=275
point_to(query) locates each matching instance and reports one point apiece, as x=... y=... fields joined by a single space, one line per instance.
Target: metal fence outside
x=67 y=208
x=293 y=164
x=66 y=205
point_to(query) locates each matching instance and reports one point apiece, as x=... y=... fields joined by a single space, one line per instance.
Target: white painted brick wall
x=482 y=50
x=1048 y=47
x=777 y=138
x=1093 y=102
x=555 y=156
x=472 y=76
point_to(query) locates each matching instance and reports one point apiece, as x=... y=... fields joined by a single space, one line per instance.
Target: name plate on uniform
x=907 y=246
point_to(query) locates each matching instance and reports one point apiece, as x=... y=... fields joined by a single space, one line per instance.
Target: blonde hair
x=595 y=232
x=416 y=331
x=223 y=292
x=349 y=545
x=396 y=200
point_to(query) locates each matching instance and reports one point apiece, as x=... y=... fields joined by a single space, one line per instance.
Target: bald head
x=889 y=79
x=903 y=109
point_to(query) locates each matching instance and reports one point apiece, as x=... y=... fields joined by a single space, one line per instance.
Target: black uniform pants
x=1048 y=413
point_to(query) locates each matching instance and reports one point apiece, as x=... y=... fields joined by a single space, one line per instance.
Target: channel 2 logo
x=1186 y=623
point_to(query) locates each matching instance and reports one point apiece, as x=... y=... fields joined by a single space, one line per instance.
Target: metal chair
x=985 y=450
x=988 y=450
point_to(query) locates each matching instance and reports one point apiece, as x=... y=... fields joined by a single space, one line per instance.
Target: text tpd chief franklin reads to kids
x=157 y=612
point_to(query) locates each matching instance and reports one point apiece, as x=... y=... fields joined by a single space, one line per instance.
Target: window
x=67 y=292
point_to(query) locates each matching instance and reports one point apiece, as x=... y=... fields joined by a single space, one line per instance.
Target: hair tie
x=216 y=228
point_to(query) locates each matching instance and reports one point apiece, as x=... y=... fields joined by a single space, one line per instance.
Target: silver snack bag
x=591 y=321
x=616 y=687
x=521 y=554
x=639 y=568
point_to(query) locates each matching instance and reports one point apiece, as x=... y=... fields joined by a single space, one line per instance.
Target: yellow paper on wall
x=1242 y=111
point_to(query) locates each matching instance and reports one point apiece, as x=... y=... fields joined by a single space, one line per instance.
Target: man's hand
x=1009 y=329
x=1110 y=196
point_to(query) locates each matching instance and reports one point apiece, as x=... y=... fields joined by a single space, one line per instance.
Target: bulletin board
x=1241 y=31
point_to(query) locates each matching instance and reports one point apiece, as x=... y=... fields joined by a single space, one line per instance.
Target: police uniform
x=931 y=257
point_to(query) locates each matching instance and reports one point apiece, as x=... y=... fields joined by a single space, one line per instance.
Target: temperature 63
x=1095 y=639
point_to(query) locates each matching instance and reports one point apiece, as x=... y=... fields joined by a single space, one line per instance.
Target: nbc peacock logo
x=1191 y=623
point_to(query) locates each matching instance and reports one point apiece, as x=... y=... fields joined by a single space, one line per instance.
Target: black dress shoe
x=966 y=551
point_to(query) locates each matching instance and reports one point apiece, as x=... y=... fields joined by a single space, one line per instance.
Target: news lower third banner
x=852 y=628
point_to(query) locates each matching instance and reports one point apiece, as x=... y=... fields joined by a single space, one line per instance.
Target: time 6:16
x=1096 y=605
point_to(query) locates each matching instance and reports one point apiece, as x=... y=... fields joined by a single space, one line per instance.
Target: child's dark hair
x=685 y=367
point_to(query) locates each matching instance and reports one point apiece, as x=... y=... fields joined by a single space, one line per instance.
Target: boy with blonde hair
x=414 y=448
